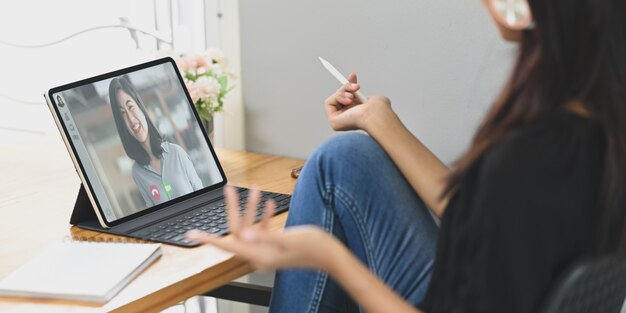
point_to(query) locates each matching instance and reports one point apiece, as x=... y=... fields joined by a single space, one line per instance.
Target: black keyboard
x=211 y=218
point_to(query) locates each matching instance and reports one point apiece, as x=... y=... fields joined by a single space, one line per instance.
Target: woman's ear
x=513 y=14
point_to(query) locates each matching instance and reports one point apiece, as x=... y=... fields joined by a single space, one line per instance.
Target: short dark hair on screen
x=133 y=148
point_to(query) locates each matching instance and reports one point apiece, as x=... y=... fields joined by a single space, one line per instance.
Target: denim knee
x=353 y=148
x=343 y=160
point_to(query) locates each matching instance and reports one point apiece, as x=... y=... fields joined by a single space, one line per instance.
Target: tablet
x=136 y=140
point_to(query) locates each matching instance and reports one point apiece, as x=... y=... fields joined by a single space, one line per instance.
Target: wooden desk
x=37 y=193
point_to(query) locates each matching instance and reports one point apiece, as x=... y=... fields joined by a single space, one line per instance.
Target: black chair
x=597 y=286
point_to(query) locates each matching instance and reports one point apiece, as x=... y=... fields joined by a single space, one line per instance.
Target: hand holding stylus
x=332 y=70
x=346 y=112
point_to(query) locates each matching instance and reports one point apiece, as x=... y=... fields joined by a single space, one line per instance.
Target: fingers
x=232 y=203
x=344 y=95
x=338 y=99
x=352 y=77
x=270 y=205
x=253 y=202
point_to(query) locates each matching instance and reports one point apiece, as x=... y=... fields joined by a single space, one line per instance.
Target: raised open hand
x=297 y=247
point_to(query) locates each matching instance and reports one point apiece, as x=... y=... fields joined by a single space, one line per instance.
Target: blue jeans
x=352 y=189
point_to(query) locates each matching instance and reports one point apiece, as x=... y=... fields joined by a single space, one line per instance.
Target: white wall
x=441 y=63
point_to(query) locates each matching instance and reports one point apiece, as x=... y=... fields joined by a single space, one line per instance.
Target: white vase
x=209 y=128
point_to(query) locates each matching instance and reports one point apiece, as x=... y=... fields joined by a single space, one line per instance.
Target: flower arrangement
x=206 y=80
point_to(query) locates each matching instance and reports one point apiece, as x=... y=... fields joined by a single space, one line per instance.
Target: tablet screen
x=137 y=138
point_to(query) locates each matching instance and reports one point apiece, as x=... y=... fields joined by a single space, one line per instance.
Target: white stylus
x=341 y=78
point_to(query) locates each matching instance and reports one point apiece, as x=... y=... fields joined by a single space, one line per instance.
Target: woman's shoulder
x=174 y=149
x=171 y=147
x=551 y=146
x=556 y=135
x=137 y=170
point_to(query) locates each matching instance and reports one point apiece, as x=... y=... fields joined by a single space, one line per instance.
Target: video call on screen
x=137 y=139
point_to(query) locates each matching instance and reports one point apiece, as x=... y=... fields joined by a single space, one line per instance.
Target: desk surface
x=37 y=193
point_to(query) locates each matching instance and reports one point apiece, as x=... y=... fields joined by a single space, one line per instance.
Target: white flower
x=217 y=69
x=217 y=56
x=207 y=88
x=193 y=90
x=191 y=61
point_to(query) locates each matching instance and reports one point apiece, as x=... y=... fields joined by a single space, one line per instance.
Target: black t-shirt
x=521 y=216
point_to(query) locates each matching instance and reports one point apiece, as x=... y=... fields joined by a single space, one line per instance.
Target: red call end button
x=154 y=192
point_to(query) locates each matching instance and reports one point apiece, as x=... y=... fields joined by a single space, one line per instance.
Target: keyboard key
x=169 y=236
x=281 y=197
x=143 y=233
x=178 y=238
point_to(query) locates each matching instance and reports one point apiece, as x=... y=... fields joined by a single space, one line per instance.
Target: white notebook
x=77 y=270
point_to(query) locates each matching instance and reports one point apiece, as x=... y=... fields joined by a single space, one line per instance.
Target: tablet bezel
x=52 y=105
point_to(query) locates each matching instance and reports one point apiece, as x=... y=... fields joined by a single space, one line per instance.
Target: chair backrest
x=597 y=286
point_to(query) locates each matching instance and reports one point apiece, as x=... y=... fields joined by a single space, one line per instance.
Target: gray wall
x=441 y=63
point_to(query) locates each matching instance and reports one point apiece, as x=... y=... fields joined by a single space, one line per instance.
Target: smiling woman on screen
x=162 y=170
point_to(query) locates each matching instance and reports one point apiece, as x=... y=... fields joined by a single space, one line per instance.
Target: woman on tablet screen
x=162 y=170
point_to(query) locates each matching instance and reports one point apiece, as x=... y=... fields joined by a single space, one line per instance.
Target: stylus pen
x=342 y=79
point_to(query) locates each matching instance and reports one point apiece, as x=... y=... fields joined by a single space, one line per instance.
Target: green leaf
x=223 y=81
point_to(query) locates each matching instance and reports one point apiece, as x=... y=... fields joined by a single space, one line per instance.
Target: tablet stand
x=83 y=215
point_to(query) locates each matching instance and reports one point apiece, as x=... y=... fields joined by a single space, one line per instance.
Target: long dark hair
x=133 y=149
x=576 y=51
